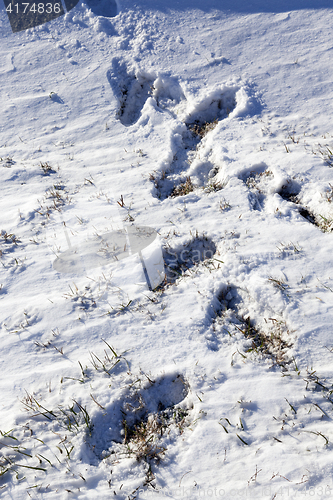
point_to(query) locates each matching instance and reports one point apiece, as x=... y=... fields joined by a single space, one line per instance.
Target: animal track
x=117 y=429
x=177 y=261
x=270 y=339
x=291 y=192
x=217 y=106
x=197 y=124
x=132 y=90
x=168 y=94
x=257 y=180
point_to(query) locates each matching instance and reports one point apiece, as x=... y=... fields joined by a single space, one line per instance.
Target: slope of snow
x=211 y=126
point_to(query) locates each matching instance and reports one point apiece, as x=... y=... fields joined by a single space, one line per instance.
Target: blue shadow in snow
x=105 y=8
x=238 y=6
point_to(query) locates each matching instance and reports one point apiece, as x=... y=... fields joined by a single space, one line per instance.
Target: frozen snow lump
x=105 y=8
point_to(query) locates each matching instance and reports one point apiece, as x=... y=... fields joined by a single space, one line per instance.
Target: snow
x=208 y=125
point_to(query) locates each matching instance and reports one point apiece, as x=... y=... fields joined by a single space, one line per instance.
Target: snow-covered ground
x=209 y=122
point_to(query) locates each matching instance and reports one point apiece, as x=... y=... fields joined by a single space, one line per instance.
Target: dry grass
x=55 y=199
x=8 y=242
x=273 y=340
x=8 y=238
x=46 y=167
x=254 y=179
x=273 y=343
x=329 y=194
x=224 y=205
x=214 y=186
x=325 y=152
x=143 y=438
x=202 y=129
x=7 y=161
x=324 y=224
x=183 y=189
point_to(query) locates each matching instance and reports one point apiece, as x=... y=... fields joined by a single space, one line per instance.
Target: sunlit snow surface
x=211 y=128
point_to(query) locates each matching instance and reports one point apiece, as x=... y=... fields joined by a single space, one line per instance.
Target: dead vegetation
x=291 y=193
x=144 y=431
x=325 y=152
x=8 y=242
x=202 y=129
x=7 y=161
x=182 y=189
x=142 y=440
x=329 y=194
x=46 y=167
x=54 y=200
x=254 y=179
x=273 y=340
x=274 y=343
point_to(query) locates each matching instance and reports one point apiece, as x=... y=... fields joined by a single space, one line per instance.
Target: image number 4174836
x=24 y=15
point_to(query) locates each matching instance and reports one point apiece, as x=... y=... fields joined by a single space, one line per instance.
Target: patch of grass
x=109 y=362
x=278 y=283
x=289 y=248
x=7 y=161
x=8 y=242
x=272 y=344
x=21 y=325
x=254 y=179
x=325 y=152
x=58 y=196
x=46 y=167
x=325 y=224
x=214 y=186
x=8 y=238
x=72 y=418
x=202 y=129
x=224 y=205
x=50 y=344
x=329 y=193
x=82 y=299
x=183 y=189
x=272 y=340
x=143 y=438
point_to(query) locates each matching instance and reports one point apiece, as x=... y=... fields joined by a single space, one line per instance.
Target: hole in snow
x=133 y=425
x=132 y=90
x=290 y=191
x=179 y=260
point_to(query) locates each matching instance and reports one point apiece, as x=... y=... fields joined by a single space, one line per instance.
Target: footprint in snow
x=132 y=90
x=117 y=428
x=182 y=258
x=257 y=180
x=198 y=123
